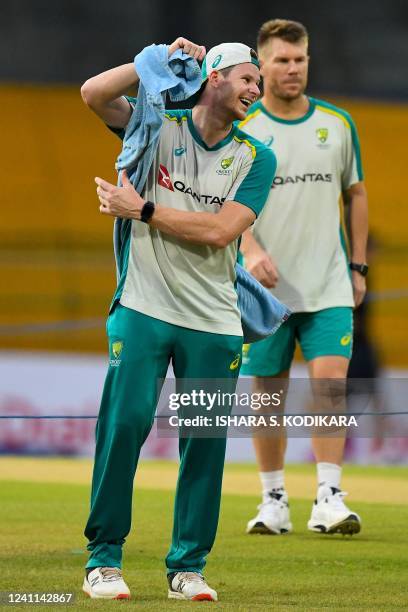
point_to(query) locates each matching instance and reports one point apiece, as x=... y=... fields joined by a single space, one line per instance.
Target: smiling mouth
x=246 y=102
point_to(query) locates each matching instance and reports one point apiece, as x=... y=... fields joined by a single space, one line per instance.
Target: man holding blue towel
x=175 y=301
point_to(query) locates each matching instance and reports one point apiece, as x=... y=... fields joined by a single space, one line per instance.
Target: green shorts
x=321 y=333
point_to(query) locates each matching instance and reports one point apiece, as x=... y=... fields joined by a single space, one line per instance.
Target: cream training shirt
x=301 y=226
x=176 y=281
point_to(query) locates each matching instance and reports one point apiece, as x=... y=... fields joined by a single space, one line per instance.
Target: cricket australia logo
x=322 y=136
x=225 y=166
x=116 y=351
x=164 y=179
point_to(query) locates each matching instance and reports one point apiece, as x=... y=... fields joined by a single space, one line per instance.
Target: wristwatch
x=147 y=211
x=360 y=268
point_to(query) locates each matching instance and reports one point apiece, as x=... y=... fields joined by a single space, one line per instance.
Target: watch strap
x=147 y=211
x=362 y=268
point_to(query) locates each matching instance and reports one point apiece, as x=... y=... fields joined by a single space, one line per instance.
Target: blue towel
x=180 y=76
x=261 y=313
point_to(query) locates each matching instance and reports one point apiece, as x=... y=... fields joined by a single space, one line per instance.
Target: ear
x=214 y=78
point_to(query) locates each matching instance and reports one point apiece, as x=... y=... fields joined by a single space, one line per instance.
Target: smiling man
x=175 y=301
x=298 y=249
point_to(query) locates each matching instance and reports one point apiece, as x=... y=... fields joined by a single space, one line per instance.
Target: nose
x=292 y=67
x=255 y=90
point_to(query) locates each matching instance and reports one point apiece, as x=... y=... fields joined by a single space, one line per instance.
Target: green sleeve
x=254 y=188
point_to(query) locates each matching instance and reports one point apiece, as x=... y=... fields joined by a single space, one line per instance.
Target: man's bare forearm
x=359 y=227
x=216 y=229
x=111 y=84
x=258 y=261
x=356 y=198
x=248 y=243
x=197 y=227
x=103 y=94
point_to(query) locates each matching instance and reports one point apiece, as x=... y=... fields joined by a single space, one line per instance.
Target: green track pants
x=141 y=348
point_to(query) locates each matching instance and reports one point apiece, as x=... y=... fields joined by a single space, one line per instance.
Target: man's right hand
x=260 y=265
x=196 y=51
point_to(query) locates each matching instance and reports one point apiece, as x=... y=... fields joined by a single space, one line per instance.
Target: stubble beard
x=285 y=96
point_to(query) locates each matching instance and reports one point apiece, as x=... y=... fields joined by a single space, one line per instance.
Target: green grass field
x=42 y=549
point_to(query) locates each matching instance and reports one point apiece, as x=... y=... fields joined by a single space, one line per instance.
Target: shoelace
x=273 y=501
x=110 y=574
x=336 y=499
x=189 y=577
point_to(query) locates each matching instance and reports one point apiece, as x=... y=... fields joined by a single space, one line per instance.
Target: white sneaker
x=273 y=517
x=190 y=585
x=106 y=583
x=331 y=515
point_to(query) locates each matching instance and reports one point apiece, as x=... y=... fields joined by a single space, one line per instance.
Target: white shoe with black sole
x=273 y=517
x=191 y=586
x=105 y=583
x=331 y=515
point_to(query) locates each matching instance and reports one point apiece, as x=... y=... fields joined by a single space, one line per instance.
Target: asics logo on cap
x=226 y=55
x=216 y=61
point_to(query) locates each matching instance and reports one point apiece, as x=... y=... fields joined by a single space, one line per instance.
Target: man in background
x=297 y=248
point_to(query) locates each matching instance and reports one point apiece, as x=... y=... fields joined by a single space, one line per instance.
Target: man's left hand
x=116 y=201
x=359 y=287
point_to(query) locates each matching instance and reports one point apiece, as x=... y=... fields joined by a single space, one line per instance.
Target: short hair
x=290 y=31
x=225 y=71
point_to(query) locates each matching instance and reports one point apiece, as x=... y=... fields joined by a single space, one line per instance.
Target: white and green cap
x=226 y=55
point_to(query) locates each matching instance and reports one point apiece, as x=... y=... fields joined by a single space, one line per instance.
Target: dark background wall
x=56 y=267
x=358 y=47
